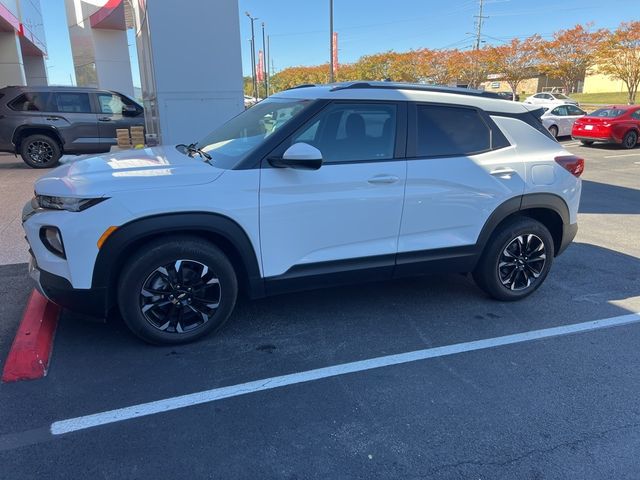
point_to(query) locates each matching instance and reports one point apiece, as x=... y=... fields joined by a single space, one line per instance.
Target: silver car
x=559 y=120
x=547 y=98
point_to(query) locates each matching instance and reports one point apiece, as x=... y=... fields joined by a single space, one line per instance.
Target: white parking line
x=622 y=155
x=183 y=401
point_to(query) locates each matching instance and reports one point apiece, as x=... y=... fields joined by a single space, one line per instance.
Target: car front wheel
x=516 y=260
x=40 y=151
x=176 y=291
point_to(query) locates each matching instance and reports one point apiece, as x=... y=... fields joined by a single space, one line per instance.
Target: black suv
x=44 y=123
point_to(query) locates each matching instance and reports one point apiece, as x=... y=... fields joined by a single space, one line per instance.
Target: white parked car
x=547 y=98
x=559 y=120
x=360 y=181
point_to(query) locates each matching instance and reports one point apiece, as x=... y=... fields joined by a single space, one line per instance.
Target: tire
x=40 y=151
x=553 y=130
x=184 y=273
x=502 y=246
x=630 y=140
x=586 y=143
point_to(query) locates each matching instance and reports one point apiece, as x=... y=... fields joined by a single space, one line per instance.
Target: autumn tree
x=469 y=67
x=569 y=55
x=439 y=70
x=515 y=61
x=293 y=76
x=619 y=56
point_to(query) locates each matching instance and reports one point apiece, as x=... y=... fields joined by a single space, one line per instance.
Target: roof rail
x=416 y=86
x=304 y=85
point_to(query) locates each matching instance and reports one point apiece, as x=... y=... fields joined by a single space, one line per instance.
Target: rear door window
x=561 y=111
x=443 y=131
x=573 y=110
x=72 y=102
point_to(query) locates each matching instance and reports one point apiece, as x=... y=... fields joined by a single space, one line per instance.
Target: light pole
x=264 y=64
x=331 y=72
x=253 y=55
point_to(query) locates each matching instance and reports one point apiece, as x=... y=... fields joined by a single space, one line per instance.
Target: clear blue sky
x=299 y=28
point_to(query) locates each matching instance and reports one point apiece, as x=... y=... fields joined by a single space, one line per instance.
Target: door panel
x=351 y=207
x=110 y=117
x=449 y=198
x=75 y=120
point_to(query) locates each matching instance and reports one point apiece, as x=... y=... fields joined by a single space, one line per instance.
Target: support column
x=190 y=66
x=98 y=34
x=11 y=62
x=35 y=70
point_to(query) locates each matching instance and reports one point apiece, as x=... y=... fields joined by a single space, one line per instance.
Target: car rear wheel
x=516 y=260
x=630 y=140
x=40 y=151
x=553 y=130
x=586 y=143
x=176 y=291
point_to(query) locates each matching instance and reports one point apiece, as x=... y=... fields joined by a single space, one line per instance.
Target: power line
x=479 y=20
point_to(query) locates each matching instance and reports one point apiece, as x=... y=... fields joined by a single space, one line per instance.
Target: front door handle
x=383 y=179
x=503 y=172
x=105 y=119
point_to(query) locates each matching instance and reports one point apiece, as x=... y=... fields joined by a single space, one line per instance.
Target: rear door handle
x=383 y=179
x=53 y=118
x=105 y=119
x=502 y=172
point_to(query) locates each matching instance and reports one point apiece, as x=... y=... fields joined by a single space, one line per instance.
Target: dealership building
x=22 y=43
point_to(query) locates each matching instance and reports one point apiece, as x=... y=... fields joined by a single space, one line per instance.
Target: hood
x=101 y=175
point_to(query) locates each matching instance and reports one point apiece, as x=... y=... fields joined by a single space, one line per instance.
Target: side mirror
x=129 y=111
x=301 y=156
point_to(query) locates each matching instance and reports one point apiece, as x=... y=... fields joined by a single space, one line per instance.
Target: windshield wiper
x=192 y=150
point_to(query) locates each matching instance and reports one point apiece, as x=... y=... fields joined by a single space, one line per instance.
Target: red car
x=613 y=124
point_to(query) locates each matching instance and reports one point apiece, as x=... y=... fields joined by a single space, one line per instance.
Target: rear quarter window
x=32 y=102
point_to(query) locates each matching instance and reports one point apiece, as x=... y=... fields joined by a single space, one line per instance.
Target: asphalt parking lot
x=561 y=406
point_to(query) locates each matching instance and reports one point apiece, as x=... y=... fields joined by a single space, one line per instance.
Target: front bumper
x=58 y=290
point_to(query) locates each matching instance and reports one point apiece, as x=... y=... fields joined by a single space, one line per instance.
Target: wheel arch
x=24 y=131
x=222 y=231
x=547 y=208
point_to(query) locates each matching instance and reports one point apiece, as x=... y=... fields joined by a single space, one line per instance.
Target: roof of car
x=53 y=88
x=404 y=92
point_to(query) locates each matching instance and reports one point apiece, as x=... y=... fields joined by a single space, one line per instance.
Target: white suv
x=314 y=186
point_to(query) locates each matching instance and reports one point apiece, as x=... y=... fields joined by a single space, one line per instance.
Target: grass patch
x=619 y=98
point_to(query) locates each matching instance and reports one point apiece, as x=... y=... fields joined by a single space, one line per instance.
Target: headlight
x=66 y=203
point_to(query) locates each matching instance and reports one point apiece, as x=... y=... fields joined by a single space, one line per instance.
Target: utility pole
x=479 y=18
x=253 y=55
x=265 y=63
x=331 y=72
x=269 y=69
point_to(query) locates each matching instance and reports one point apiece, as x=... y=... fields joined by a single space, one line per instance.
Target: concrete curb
x=29 y=356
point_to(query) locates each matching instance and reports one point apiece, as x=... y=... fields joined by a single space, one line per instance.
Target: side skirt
x=372 y=269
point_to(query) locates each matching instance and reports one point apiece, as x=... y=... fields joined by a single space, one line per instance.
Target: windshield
x=235 y=140
x=607 y=112
x=559 y=95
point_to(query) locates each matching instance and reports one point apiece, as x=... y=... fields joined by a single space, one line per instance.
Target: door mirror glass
x=300 y=156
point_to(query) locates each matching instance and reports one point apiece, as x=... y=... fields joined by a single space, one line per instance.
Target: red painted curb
x=28 y=358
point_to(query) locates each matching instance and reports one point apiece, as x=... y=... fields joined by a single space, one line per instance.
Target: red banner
x=334 y=54
x=260 y=73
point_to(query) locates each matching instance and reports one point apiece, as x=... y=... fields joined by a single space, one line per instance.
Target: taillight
x=571 y=163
